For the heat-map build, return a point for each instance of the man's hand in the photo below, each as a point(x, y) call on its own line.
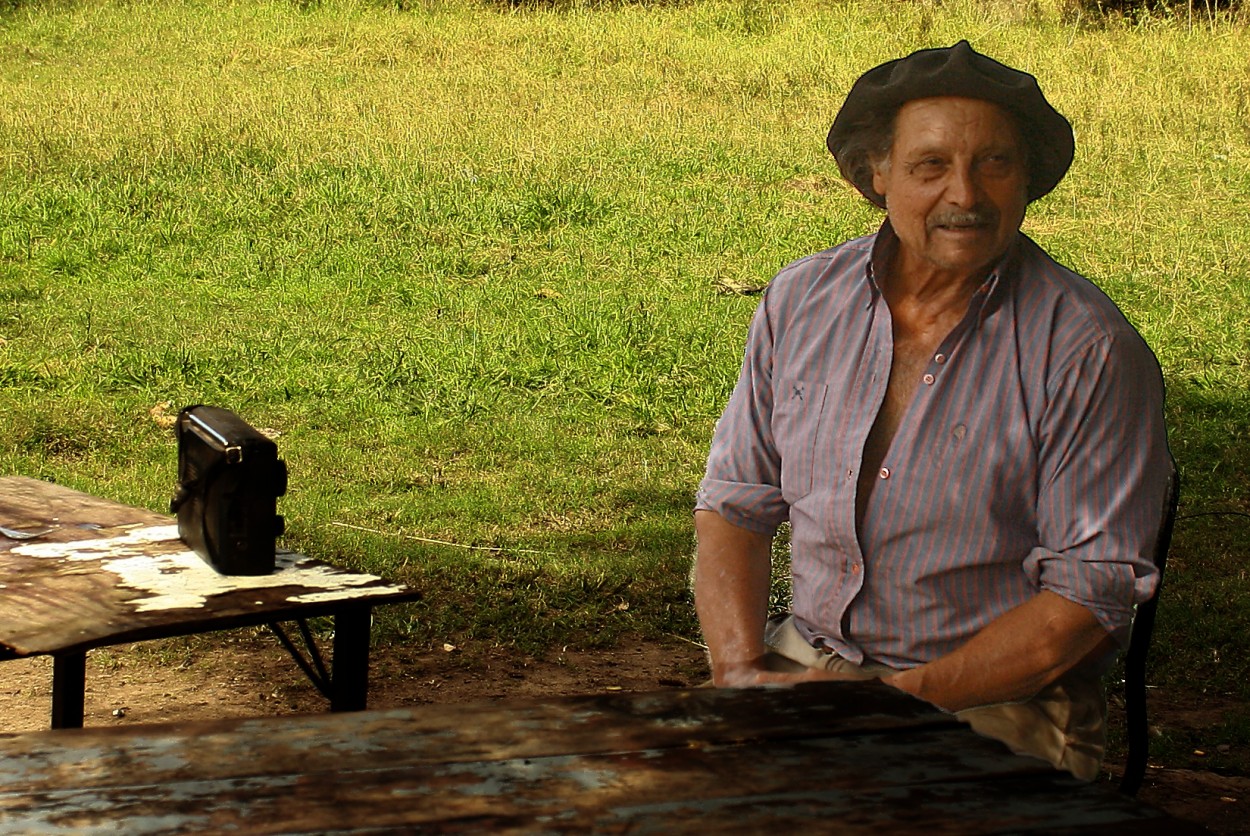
point(757, 673)
point(731, 595)
point(1012, 658)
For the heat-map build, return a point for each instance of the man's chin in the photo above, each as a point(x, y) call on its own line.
point(964, 260)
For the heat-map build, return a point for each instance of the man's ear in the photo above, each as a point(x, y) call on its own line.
point(880, 168)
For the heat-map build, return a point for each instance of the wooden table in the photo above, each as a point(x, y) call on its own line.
point(845, 758)
point(107, 574)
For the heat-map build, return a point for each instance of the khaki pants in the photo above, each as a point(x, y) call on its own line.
point(1064, 724)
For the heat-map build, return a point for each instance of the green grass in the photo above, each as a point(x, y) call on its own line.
point(469, 262)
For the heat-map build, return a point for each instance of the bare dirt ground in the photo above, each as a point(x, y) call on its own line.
point(246, 673)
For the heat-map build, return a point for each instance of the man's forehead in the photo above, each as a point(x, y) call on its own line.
point(955, 117)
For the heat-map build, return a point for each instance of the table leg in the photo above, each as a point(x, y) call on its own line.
point(69, 681)
point(349, 685)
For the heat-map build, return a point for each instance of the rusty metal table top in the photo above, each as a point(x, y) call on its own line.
point(826, 757)
point(107, 573)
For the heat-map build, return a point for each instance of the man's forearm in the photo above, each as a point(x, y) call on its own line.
point(731, 580)
point(1012, 658)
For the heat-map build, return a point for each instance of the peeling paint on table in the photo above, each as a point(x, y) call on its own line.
point(154, 561)
point(108, 573)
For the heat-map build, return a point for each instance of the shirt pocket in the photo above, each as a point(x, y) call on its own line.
point(797, 409)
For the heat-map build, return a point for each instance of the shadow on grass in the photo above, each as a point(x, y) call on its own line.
point(1204, 611)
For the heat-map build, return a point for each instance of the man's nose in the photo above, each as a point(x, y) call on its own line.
point(961, 188)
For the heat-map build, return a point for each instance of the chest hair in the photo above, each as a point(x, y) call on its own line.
point(917, 336)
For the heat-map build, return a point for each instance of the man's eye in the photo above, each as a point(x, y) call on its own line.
point(930, 165)
point(998, 163)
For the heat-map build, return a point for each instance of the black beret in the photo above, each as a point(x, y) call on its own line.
point(959, 71)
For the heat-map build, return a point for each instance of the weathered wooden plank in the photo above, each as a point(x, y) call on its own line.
point(930, 783)
point(245, 748)
point(892, 759)
point(107, 574)
point(828, 757)
point(32, 504)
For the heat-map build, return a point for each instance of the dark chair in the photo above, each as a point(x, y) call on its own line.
point(1139, 647)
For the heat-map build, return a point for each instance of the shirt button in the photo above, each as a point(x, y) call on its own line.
point(928, 379)
point(884, 473)
point(939, 359)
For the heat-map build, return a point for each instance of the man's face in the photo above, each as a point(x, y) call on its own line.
point(955, 184)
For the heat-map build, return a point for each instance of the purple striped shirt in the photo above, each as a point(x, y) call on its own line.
point(1033, 456)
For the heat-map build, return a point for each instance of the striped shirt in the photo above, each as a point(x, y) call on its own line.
point(1033, 455)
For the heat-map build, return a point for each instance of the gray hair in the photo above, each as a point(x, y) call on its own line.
point(867, 145)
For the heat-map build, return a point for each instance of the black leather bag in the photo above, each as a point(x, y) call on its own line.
point(229, 481)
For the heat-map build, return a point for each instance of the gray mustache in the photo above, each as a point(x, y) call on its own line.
point(974, 217)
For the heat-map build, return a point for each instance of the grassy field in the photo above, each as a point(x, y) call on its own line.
point(479, 267)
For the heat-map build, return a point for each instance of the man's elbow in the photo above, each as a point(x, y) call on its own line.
point(1070, 636)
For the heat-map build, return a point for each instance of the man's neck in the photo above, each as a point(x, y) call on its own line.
point(921, 286)
point(913, 283)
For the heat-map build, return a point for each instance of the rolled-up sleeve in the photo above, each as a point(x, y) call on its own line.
point(1104, 472)
point(742, 482)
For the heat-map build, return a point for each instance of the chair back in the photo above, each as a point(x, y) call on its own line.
point(1138, 731)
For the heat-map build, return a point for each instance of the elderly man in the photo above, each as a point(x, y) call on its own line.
point(966, 437)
